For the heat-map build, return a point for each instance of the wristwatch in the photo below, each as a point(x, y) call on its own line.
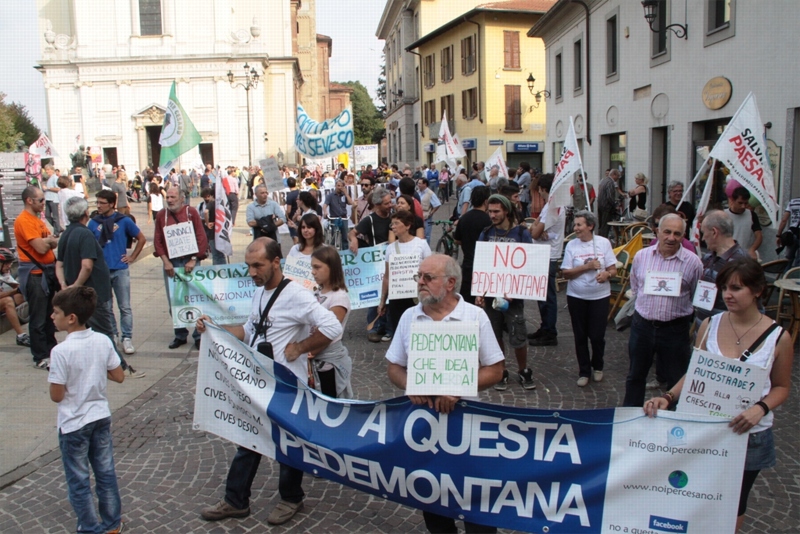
point(193, 258)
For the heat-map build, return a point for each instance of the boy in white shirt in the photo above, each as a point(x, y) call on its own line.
point(79, 368)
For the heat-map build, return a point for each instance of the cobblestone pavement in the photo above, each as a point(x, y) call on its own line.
point(168, 472)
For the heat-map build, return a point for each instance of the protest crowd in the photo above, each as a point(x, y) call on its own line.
point(648, 276)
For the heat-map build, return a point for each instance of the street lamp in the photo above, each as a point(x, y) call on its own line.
point(538, 94)
point(651, 13)
point(251, 77)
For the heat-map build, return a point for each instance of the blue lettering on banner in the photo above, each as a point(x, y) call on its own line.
point(665, 524)
point(318, 139)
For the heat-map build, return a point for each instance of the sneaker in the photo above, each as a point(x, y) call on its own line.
point(43, 364)
point(526, 379)
point(127, 346)
point(223, 510)
point(536, 335)
point(283, 512)
point(130, 372)
point(386, 338)
point(655, 384)
point(583, 381)
point(117, 530)
point(374, 337)
point(24, 340)
point(545, 340)
point(503, 384)
point(597, 376)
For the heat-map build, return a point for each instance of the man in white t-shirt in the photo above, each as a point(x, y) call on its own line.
point(746, 227)
point(548, 229)
point(290, 319)
point(438, 282)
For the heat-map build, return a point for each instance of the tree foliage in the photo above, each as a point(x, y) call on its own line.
point(382, 88)
point(8, 133)
point(367, 121)
point(23, 123)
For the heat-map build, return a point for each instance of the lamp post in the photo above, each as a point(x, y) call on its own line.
point(538, 94)
point(251, 77)
point(655, 9)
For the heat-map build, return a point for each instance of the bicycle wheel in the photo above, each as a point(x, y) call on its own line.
point(446, 246)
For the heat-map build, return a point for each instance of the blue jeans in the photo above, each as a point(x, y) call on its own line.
point(180, 333)
point(341, 223)
point(217, 257)
point(121, 284)
point(91, 445)
point(428, 229)
point(668, 342)
point(242, 472)
point(103, 322)
point(382, 324)
point(548, 308)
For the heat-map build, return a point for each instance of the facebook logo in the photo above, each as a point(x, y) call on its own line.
point(666, 524)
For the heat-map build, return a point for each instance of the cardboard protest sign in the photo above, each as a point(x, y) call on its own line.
point(181, 240)
point(272, 174)
point(298, 268)
point(443, 358)
point(720, 386)
point(402, 268)
point(515, 270)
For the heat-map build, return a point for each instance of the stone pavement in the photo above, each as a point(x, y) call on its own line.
point(168, 472)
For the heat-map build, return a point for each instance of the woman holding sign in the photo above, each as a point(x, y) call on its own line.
point(310, 238)
point(332, 367)
point(406, 244)
point(742, 283)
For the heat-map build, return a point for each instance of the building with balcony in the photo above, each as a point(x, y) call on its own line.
point(645, 100)
point(476, 68)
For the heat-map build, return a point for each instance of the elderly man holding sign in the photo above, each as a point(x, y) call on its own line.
point(180, 241)
point(444, 350)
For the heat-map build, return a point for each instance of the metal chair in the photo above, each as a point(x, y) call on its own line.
point(773, 270)
point(780, 314)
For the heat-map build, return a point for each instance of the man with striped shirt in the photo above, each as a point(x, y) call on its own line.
point(663, 280)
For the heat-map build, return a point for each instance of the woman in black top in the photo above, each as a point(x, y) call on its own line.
point(638, 194)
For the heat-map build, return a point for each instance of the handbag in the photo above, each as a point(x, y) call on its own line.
point(639, 214)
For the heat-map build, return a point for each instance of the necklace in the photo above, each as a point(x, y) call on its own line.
point(738, 337)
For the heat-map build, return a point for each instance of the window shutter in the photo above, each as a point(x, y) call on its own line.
point(507, 49)
point(514, 50)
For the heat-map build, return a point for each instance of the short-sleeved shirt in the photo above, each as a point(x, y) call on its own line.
point(78, 243)
point(255, 210)
point(337, 205)
point(517, 234)
point(26, 228)
point(52, 183)
point(711, 267)
point(489, 352)
point(374, 228)
point(81, 363)
point(333, 299)
point(578, 253)
point(122, 194)
point(415, 246)
point(553, 234)
point(116, 247)
point(745, 225)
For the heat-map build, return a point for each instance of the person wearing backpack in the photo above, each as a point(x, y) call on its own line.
point(115, 233)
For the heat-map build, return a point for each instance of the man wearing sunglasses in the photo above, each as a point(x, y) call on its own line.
point(438, 281)
point(362, 203)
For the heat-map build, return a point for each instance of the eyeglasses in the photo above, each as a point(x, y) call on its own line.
point(428, 278)
point(366, 185)
point(38, 200)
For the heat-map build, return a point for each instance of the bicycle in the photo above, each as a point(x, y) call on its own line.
point(333, 232)
point(447, 243)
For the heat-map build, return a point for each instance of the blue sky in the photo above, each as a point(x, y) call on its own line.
point(351, 24)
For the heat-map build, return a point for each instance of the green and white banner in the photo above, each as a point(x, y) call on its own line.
point(223, 292)
point(178, 134)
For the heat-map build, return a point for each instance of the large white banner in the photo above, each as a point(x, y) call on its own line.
point(497, 159)
point(515, 270)
point(556, 471)
point(568, 165)
point(742, 148)
point(328, 138)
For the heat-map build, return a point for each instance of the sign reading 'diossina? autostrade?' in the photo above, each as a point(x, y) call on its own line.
point(443, 358)
point(223, 292)
point(402, 268)
point(720, 386)
point(555, 471)
point(515, 270)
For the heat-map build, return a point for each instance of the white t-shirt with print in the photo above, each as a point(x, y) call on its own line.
point(578, 253)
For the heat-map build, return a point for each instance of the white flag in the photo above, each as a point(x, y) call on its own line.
point(222, 218)
point(449, 147)
point(497, 159)
point(702, 207)
point(569, 164)
point(43, 147)
point(743, 150)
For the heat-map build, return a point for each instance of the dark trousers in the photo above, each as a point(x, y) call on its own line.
point(51, 214)
point(103, 322)
point(588, 324)
point(668, 342)
point(242, 472)
point(180, 333)
point(605, 217)
point(41, 328)
point(436, 523)
point(396, 310)
point(233, 205)
point(466, 285)
point(548, 308)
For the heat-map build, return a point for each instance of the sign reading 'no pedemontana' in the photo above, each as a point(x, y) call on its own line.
point(514, 270)
point(443, 358)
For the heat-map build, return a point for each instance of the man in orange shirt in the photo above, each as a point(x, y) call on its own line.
point(37, 265)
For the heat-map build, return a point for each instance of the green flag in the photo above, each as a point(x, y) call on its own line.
point(178, 134)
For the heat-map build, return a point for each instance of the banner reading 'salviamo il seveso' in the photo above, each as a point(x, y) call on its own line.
point(565, 471)
point(320, 139)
